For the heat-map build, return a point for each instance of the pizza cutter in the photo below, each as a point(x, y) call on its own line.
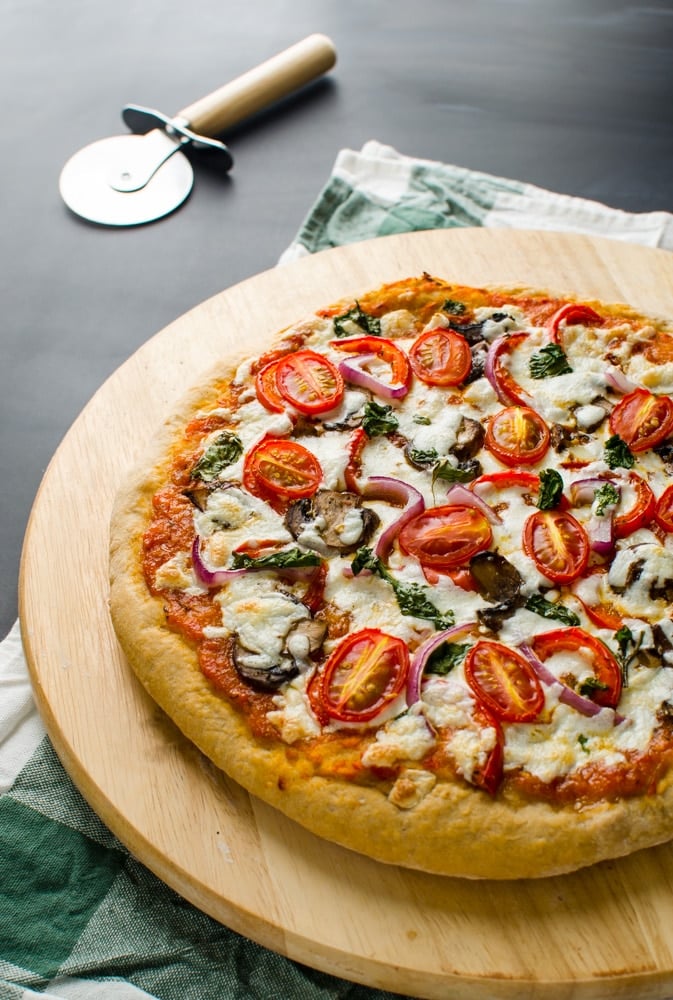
point(131, 179)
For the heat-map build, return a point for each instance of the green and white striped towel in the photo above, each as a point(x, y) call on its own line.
point(80, 918)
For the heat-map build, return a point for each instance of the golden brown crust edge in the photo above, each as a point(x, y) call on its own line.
point(455, 830)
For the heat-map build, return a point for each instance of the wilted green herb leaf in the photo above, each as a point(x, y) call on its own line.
point(590, 685)
point(453, 474)
point(411, 597)
point(549, 361)
point(224, 451)
point(541, 606)
point(551, 489)
point(288, 559)
point(454, 307)
point(370, 324)
point(378, 419)
point(605, 496)
point(617, 453)
point(446, 657)
point(420, 419)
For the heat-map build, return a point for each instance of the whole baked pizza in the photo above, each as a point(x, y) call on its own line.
point(407, 576)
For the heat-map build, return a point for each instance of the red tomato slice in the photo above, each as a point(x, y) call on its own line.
point(576, 640)
point(309, 381)
point(573, 312)
point(365, 673)
point(504, 681)
point(642, 511)
point(386, 350)
point(642, 419)
point(507, 388)
point(517, 435)
point(441, 357)
point(663, 513)
point(266, 388)
point(354, 447)
point(557, 544)
point(445, 538)
point(503, 480)
point(489, 775)
point(602, 615)
point(278, 469)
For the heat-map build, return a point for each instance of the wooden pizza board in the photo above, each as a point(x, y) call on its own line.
point(604, 932)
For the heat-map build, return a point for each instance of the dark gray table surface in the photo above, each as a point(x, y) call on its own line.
point(571, 95)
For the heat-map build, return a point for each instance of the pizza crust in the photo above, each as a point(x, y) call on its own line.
point(444, 828)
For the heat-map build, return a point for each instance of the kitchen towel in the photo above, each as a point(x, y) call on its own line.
point(82, 919)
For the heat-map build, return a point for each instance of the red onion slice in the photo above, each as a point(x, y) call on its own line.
point(354, 369)
point(618, 381)
point(423, 653)
point(513, 395)
point(599, 528)
point(569, 697)
point(461, 495)
point(210, 577)
point(398, 492)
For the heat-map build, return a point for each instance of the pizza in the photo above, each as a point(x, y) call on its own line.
point(407, 577)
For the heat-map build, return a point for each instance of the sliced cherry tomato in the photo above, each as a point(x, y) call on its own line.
point(515, 477)
point(506, 386)
point(365, 673)
point(663, 513)
point(354, 447)
point(504, 681)
point(602, 615)
point(642, 419)
point(309, 381)
point(441, 357)
point(489, 775)
point(557, 544)
point(315, 591)
point(386, 350)
point(517, 435)
point(266, 388)
point(281, 470)
point(576, 640)
point(445, 538)
point(642, 511)
point(572, 312)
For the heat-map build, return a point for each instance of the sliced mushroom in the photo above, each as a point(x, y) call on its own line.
point(469, 439)
point(264, 678)
point(665, 453)
point(496, 578)
point(479, 352)
point(563, 437)
point(331, 521)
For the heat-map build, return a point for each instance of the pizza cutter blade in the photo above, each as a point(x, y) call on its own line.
point(128, 180)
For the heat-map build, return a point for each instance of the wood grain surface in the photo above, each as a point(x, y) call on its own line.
point(604, 932)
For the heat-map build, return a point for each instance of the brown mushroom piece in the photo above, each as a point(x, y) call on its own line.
point(322, 522)
point(302, 641)
point(498, 581)
point(469, 439)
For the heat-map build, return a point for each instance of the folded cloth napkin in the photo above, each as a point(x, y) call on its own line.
point(80, 918)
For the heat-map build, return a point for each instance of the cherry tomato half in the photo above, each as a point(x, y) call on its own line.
point(489, 774)
point(365, 673)
point(642, 419)
point(557, 544)
point(504, 681)
point(640, 513)
point(576, 640)
point(663, 513)
point(506, 386)
point(309, 381)
point(386, 350)
point(517, 435)
point(266, 388)
point(281, 470)
point(572, 312)
point(446, 537)
point(441, 357)
point(527, 481)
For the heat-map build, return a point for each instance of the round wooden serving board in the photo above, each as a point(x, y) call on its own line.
point(605, 932)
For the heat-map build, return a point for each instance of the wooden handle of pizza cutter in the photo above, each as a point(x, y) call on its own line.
point(261, 86)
